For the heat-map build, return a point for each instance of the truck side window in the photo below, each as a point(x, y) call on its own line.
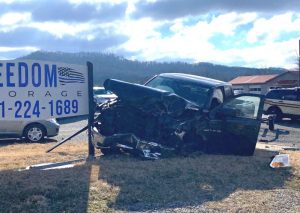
point(243, 106)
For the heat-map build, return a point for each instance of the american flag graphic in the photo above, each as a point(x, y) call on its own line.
point(68, 75)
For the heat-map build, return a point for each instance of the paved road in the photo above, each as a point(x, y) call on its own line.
point(286, 133)
point(67, 129)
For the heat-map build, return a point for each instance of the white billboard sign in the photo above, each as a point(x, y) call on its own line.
point(34, 90)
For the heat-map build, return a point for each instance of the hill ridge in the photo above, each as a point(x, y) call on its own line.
point(108, 65)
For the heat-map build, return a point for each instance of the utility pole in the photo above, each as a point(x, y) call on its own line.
point(299, 63)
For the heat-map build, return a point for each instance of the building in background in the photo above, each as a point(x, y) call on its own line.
point(261, 84)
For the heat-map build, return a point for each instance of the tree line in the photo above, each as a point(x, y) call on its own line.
point(113, 66)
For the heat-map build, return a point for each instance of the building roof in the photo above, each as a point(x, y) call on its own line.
point(252, 79)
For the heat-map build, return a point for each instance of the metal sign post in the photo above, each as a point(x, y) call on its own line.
point(91, 110)
point(299, 64)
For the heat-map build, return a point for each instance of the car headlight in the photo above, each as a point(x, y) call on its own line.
point(53, 120)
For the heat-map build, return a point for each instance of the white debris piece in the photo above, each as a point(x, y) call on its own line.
point(50, 166)
point(281, 160)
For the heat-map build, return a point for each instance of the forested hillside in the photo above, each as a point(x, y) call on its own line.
point(112, 66)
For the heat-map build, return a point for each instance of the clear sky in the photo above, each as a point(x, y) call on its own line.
point(252, 33)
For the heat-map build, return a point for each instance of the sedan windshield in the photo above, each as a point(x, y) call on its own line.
point(190, 91)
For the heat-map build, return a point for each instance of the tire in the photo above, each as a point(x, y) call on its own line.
point(277, 112)
point(34, 133)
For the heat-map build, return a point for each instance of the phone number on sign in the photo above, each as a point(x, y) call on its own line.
point(28, 109)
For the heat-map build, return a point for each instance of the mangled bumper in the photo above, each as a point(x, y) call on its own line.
point(129, 143)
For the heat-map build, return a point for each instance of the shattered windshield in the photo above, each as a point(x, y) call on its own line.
point(191, 91)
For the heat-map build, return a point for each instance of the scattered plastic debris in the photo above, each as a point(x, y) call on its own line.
point(281, 160)
point(51, 166)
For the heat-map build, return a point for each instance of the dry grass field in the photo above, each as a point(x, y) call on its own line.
point(197, 183)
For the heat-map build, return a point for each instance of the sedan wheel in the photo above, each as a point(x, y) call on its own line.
point(34, 133)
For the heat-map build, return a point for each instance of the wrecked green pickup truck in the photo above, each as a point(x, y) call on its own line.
point(177, 113)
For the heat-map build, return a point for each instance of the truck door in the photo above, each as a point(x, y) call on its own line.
point(234, 126)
